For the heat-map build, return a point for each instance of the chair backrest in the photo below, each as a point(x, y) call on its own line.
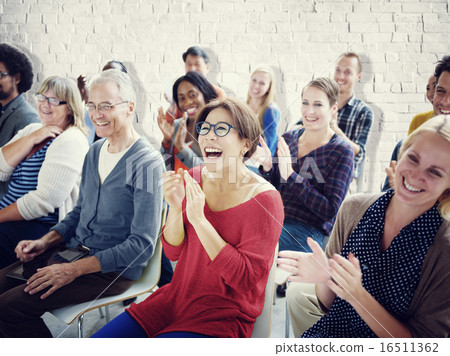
point(146, 283)
point(263, 324)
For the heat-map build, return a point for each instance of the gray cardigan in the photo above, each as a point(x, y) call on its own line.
point(16, 116)
point(118, 221)
point(429, 312)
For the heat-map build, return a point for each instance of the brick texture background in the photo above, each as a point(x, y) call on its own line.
point(399, 41)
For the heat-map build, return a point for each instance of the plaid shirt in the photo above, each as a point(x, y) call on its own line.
point(355, 120)
point(319, 184)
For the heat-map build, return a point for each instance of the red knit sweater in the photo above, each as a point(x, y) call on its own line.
point(223, 297)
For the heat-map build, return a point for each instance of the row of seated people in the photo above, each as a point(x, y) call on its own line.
point(319, 105)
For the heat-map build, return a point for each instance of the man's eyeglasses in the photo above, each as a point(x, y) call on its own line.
point(103, 107)
point(3, 74)
point(221, 129)
point(52, 101)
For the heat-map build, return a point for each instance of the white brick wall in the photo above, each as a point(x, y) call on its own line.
point(400, 41)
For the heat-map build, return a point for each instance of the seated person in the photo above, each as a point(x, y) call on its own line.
point(419, 119)
point(261, 98)
point(441, 106)
point(43, 163)
point(84, 91)
point(385, 272)
point(224, 258)
point(312, 169)
point(179, 148)
point(117, 217)
point(195, 59)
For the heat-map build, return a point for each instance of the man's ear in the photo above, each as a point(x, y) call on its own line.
point(17, 78)
point(131, 107)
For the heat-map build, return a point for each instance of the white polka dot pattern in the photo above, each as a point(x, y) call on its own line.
point(390, 277)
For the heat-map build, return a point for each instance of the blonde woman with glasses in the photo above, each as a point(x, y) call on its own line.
point(43, 163)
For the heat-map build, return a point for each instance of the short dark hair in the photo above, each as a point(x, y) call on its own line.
point(198, 80)
point(245, 120)
point(196, 51)
point(119, 63)
point(442, 66)
point(15, 62)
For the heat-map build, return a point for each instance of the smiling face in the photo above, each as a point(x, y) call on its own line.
point(222, 151)
point(347, 74)
point(259, 85)
point(441, 99)
point(53, 115)
point(430, 88)
point(316, 109)
point(196, 63)
point(190, 99)
point(8, 86)
point(423, 171)
point(113, 124)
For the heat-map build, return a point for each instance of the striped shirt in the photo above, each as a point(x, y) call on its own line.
point(316, 189)
point(25, 179)
point(355, 120)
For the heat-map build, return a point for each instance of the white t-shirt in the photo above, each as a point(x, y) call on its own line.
point(107, 161)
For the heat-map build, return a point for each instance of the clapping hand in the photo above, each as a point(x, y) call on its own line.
point(346, 276)
point(195, 200)
point(263, 155)
point(167, 128)
point(284, 159)
point(305, 267)
point(180, 137)
point(173, 188)
point(390, 172)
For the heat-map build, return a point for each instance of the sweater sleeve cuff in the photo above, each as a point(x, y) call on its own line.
point(171, 252)
point(106, 259)
point(62, 229)
point(5, 169)
point(223, 259)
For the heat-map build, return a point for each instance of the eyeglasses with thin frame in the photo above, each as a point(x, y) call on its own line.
point(52, 101)
point(221, 129)
point(3, 74)
point(103, 107)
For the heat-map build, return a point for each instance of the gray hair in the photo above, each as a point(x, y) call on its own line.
point(121, 79)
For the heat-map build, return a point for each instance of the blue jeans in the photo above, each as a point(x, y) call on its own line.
point(124, 326)
point(294, 233)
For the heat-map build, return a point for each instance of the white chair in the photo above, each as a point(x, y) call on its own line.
point(281, 277)
point(145, 284)
point(263, 324)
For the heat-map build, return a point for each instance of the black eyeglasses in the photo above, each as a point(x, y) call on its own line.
point(51, 101)
point(3, 74)
point(103, 107)
point(221, 129)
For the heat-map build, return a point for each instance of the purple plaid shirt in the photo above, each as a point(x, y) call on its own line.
point(319, 184)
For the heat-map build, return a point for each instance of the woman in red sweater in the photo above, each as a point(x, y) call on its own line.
point(223, 257)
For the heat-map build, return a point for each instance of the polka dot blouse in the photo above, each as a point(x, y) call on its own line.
point(391, 277)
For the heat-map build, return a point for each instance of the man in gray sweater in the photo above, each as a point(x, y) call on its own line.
point(117, 217)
